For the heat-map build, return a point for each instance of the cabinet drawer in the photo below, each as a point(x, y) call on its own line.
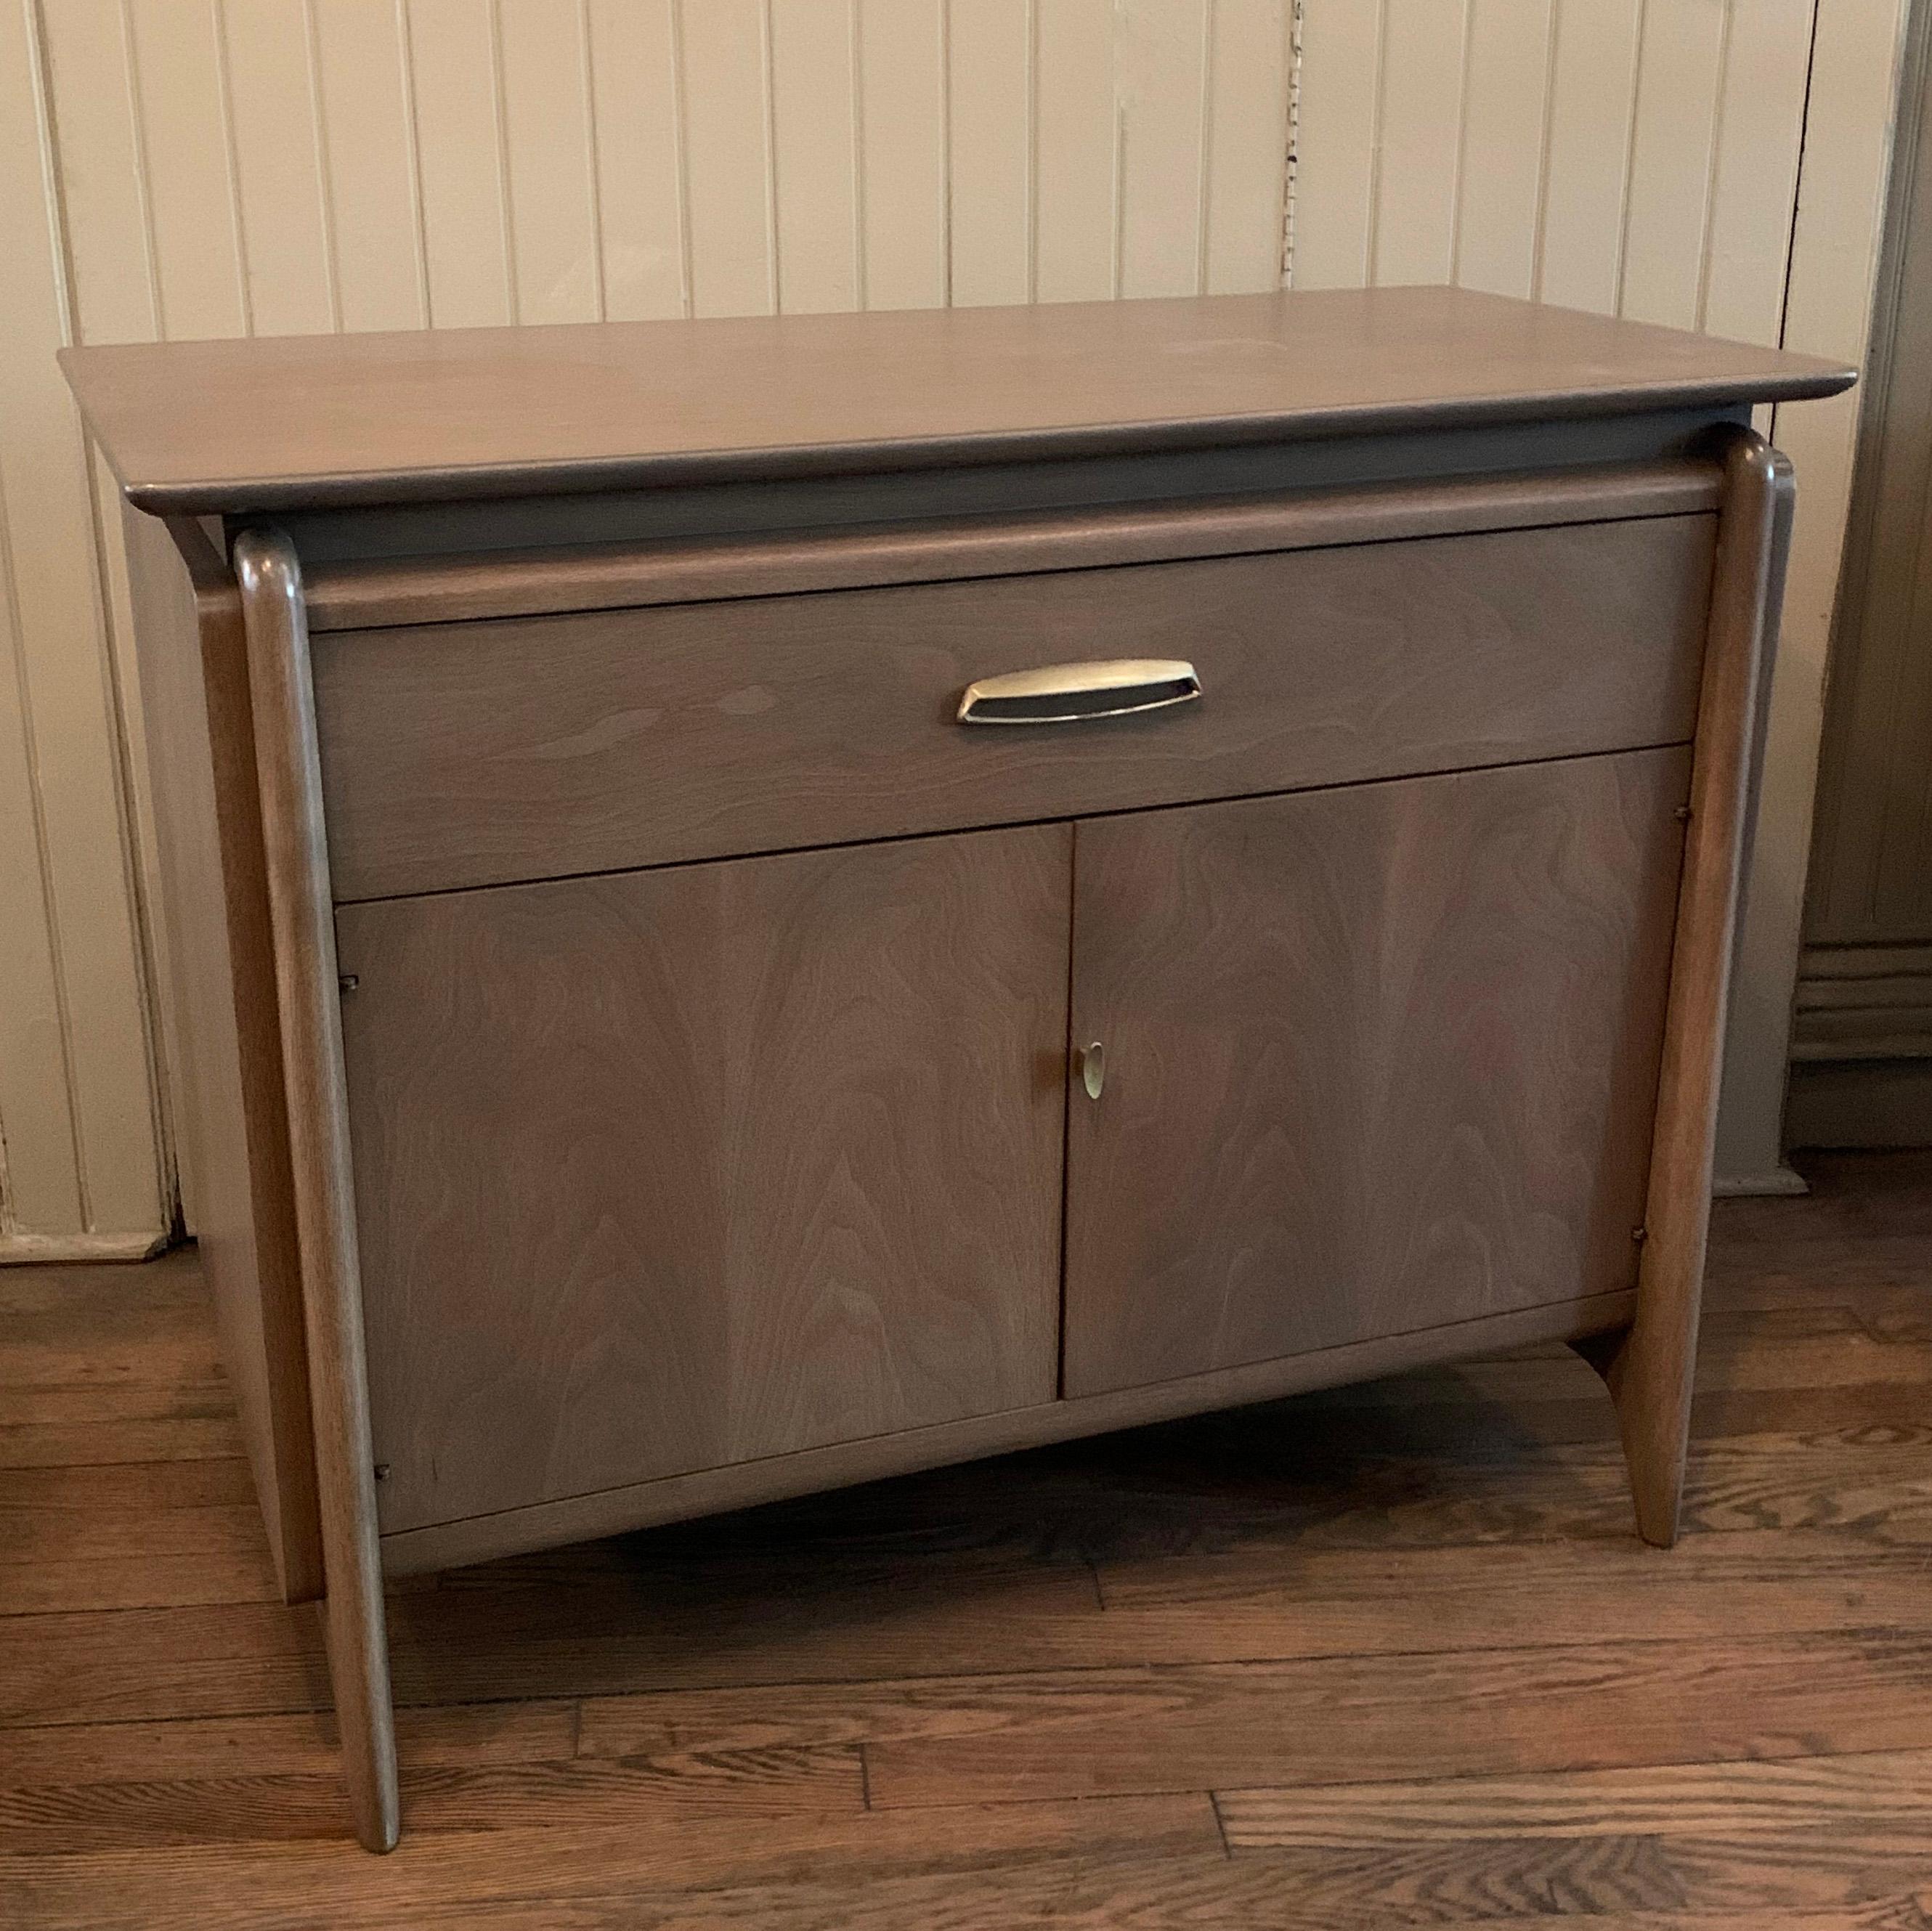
point(484, 752)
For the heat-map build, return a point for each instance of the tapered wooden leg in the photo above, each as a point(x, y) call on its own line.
point(302, 915)
point(1649, 1369)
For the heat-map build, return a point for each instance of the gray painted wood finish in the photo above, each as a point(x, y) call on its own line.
point(295, 841)
point(519, 749)
point(230, 1111)
point(1377, 1059)
point(701, 1176)
point(667, 1171)
point(376, 591)
point(274, 424)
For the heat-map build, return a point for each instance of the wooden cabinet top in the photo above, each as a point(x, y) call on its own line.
point(279, 423)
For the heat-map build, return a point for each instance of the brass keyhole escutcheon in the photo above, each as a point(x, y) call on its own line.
point(1092, 1061)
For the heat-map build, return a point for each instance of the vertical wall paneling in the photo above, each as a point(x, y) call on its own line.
point(1339, 141)
point(371, 197)
point(230, 166)
point(1246, 140)
point(112, 296)
point(639, 157)
point(1505, 124)
point(1076, 171)
point(1164, 77)
point(182, 92)
point(1754, 181)
point(276, 144)
point(902, 116)
point(224, 166)
point(1872, 773)
point(1593, 71)
point(990, 143)
point(1425, 47)
point(1673, 145)
point(727, 131)
point(550, 161)
point(815, 153)
point(110, 251)
point(456, 104)
point(1835, 248)
point(77, 1118)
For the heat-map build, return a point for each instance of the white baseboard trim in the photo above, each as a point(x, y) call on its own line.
point(20, 1250)
point(1781, 1179)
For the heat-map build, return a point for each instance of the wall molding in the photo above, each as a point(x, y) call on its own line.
point(1863, 1002)
point(31, 1249)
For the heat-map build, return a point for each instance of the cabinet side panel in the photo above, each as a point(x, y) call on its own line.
point(232, 1126)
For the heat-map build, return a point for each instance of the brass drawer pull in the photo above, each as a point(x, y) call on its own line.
point(1064, 694)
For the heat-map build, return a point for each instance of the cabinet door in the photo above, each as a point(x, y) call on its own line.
point(1376, 1059)
point(664, 1170)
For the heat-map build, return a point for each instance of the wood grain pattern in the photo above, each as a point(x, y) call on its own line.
point(675, 1498)
point(230, 1113)
point(698, 730)
point(1651, 1373)
point(1889, 1789)
point(294, 846)
point(272, 424)
point(659, 1173)
point(1376, 1059)
point(672, 1719)
point(1133, 1732)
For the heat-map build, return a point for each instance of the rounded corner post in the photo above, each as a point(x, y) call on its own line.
point(1650, 1373)
point(302, 914)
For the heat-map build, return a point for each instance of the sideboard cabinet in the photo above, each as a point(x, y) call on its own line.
point(757, 904)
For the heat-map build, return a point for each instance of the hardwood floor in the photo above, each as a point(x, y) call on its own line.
point(1389, 1656)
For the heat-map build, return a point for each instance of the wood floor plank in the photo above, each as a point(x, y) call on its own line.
point(1126, 1892)
point(1139, 1893)
point(214, 1435)
point(1588, 1705)
point(1403, 1630)
point(463, 1735)
point(605, 1635)
point(64, 1818)
point(201, 1396)
point(1878, 1791)
point(277, 1887)
point(1811, 1273)
point(1272, 1603)
point(1555, 1883)
point(93, 1301)
point(127, 1488)
point(131, 1536)
point(129, 1665)
point(220, 1571)
point(1269, 1475)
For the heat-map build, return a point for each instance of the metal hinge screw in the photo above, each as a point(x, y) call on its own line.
point(348, 982)
point(1683, 815)
point(382, 1471)
point(1639, 1234)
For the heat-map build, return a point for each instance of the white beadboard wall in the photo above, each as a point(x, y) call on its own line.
point(186, 168)
point(1641, 158)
